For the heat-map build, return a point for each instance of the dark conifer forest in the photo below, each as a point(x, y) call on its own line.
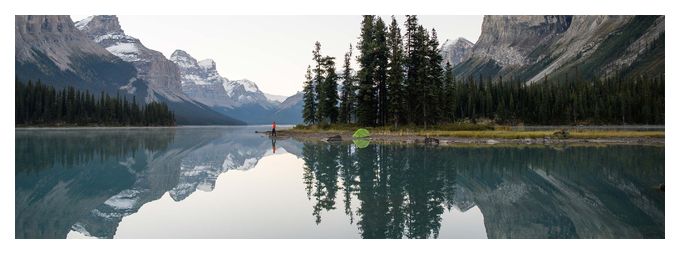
point(37, 104)
point(401, 80)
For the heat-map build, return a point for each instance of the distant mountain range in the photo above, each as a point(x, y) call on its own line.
point(96, 54)
point(241, 99)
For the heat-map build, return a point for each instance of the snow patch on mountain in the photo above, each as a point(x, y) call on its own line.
point(207, 64)
point(82, 24)
point(276, 98)
point(126, 51)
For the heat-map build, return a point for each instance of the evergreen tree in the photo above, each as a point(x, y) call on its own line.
point(348, 97)
point(448, 108)
point(416, 67)
point(366, 96)
point(309, 99)
point(395, 75)
point(381, 54)
point(417, 77)
point(318, 82)
point(435, 97)
point(328, 104)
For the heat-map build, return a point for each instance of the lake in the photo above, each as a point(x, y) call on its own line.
point(229, 182)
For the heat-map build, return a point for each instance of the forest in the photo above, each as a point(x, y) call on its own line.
point(43, 105)
point(402, 80)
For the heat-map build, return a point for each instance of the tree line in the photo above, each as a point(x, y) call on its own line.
point(402, 80)
point(40, 104)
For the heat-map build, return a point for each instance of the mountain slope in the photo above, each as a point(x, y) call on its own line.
point(241, 99)
point(274, 97)
point(162, 75)
point(532, 48)
point(455, 51)
point(51, 49)
point(290, 110)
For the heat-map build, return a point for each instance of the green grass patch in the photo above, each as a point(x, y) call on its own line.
point(468, 130)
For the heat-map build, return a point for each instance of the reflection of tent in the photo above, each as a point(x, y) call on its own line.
point(361, 143)
point(361, 133)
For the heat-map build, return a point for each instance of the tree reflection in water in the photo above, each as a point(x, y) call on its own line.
point(527, 192)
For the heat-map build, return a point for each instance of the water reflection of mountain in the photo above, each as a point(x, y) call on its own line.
point(577, 192)
point(89, 180)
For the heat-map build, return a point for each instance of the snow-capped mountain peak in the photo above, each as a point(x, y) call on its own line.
point(183, 59)
point(276, 98)
point(202, 82)
point(250, 86)
point(207, 64)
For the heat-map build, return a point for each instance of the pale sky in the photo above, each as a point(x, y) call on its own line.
point(272, 51)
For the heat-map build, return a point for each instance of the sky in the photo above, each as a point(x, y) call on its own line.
point(272, 51)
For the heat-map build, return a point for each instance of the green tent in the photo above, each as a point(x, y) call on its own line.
point(361, 133)
point(361, 143)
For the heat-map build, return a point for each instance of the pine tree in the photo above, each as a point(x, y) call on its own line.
point(416, 49)
point(449, 102)
point(366, 95)
point(395, 75)
point(348, 97)
point(328, 104)
point(309, 99)
point(416, 72)
point(319, 83)
point(381, 54)
point(434, 86)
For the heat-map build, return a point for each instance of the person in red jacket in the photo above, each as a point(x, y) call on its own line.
point(273, 129)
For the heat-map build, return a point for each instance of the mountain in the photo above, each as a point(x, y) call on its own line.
point(277, 98)
point(455, 51)
point(290, 110)
point(201, 82)
point(241, 99)
point(531, 48)
point(51, 49)
point(161, 75)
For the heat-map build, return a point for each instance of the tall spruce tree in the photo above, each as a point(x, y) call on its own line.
point(416, 73)
point(381, 54)
point(348, 97)
point(449, 94)
point(434, 86)
point(366, 95)
point(416, 69)
point(395, 75)
point(309, 99)
point(328, 104)
point(318, 81)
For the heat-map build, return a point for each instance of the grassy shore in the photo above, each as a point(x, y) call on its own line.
point(467, 130)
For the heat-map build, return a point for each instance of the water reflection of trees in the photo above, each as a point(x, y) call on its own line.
point(69, 148)
point(404, 190)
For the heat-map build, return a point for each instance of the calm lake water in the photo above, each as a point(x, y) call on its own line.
point(228, 182)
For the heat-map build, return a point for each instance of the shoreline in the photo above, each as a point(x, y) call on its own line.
point(395, 138)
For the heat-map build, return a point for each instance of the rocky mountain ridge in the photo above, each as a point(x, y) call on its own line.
point(532, 48)
point(455, 51)
point(241, 99)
